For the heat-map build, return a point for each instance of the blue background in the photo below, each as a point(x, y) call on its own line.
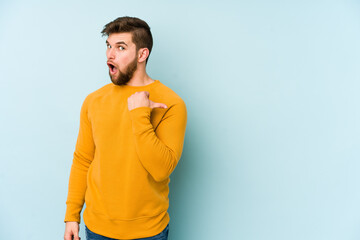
point(272, 91)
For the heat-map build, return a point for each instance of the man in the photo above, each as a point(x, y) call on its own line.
point(130, 140)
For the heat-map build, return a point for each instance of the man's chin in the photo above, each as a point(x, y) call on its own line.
point(118, 81)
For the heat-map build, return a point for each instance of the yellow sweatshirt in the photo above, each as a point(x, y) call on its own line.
point(123, 159)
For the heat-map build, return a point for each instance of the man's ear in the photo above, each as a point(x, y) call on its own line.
point(143, 53)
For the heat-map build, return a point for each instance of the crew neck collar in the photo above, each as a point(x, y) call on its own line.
point(139, 87)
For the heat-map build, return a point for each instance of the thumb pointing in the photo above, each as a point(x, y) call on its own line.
point(157, 105)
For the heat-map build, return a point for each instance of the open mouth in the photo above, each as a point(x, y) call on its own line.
point(112, 68)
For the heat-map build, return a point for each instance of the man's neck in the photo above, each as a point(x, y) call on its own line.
point(140, 78)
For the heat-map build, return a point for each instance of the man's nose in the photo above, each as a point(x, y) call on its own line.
point(110, 54)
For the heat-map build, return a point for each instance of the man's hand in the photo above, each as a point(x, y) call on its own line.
point(141, 99)
point(72, 230)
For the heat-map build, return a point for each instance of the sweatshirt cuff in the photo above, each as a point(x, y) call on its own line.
point(72, 214)
point(140, 118)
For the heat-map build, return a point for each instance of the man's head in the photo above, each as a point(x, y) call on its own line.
point(129, 43)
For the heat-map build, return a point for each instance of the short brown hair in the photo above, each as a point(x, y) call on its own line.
point(140, 30)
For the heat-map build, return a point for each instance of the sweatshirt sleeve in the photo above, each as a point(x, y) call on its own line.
point(159, 150)
point(82, 158)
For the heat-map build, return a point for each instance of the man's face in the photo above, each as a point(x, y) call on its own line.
point(121, 57)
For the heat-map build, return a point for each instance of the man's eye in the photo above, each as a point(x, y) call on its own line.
point(121, 48)
point(108, 46)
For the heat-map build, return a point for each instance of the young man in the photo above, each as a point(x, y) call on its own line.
point(130, 140)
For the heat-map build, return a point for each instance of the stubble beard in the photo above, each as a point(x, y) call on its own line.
point(124, 78)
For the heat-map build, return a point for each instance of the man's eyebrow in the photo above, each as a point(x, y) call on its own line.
point(121, 42)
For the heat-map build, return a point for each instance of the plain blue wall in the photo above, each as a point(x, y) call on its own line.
point(272, 146)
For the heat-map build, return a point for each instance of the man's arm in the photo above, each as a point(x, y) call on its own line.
point(159, 150)
point(83, 156)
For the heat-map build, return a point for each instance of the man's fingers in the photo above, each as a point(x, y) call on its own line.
point(72, 235)
point(76, 236)
point(72, 231)
point(68, 236)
